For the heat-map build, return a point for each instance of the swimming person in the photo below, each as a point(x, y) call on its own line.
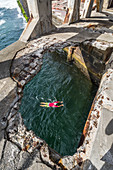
point(54, 104)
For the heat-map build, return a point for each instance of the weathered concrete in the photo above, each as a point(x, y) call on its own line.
point(40, 21)
point(73, 11)
point(87, 8)
point(106, 4)
point(103, 136)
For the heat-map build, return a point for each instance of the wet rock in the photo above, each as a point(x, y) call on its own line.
point(23, 74)
point(16, 106)
point(19, 90)
point(28, 78)
point(40, 62)
point(33, 72)
point(22, 83)
point(17, 71)
point(32, 65)
point(21, 66)
point(36, 61)
point(27, 69)
point(26, 62)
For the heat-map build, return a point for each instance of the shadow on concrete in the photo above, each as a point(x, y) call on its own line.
point(109, 128)
point(98, 19)
point(5, 69)
point(28, 160)
point(5, 106)
point(94, 19)
point(87, 165)
point(108, 157)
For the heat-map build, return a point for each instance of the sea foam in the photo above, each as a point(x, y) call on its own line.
point(9, 4)
point(12, 4)
point(1, 14)
point(2, 22)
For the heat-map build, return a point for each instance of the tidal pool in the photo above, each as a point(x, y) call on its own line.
point(58, 80)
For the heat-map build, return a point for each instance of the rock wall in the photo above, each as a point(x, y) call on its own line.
point(92, 55)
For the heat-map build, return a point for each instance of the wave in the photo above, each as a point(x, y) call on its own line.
point(1, 14)
point(9, 4)
point(2, 22)
point(12, 4)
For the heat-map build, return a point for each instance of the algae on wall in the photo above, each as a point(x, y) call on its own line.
point(22, 10)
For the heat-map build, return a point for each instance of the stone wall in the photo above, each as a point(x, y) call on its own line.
point(90, 59)
point(95, 58)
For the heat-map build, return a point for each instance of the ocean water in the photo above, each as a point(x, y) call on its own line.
point(60, 127)
point(12, 22)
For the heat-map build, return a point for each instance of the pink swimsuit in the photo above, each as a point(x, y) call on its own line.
point(53, 104)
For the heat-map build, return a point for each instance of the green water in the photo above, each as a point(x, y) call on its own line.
point(60, 127)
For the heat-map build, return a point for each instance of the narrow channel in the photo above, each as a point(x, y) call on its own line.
point(58, 80)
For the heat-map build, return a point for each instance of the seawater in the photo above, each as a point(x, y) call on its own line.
point(12, 22)
point(60, 127)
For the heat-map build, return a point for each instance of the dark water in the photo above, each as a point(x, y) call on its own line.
point(60, 127)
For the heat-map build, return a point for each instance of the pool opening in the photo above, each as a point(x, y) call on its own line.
point(58, 80)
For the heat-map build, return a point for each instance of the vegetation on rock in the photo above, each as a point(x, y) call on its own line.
point(22, 10)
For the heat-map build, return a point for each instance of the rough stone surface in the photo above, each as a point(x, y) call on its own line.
point(10, 157)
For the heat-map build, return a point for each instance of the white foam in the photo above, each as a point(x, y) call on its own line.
point(12, 4)
point(24, 21)
point(1, 14)
point(2, 22)
point(9, 4)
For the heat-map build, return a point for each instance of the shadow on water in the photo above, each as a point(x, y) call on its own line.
point(60, 127)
